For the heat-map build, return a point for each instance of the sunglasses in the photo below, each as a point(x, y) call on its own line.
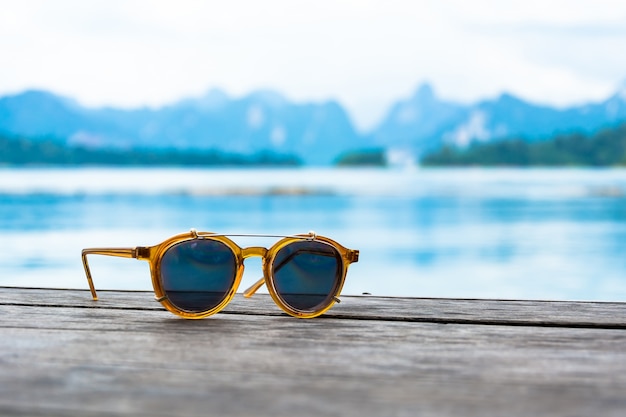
point(196, 274)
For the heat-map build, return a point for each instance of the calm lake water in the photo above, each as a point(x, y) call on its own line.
point(529, 234)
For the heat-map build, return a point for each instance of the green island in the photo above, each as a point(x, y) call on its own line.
point(31, 152)
point(605, 148)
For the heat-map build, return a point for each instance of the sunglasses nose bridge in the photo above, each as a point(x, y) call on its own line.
point(254, 251)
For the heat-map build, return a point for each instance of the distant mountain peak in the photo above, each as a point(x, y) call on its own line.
point(39, 95)
point(215, 94)
point(34, 93)
point(212, 99)
point(270, 97)
point(411, 110)
point(507, 97)
point(38, 98)
point(424, 92)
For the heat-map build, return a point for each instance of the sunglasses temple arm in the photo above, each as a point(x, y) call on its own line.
point(249, 292)
point(118, 252)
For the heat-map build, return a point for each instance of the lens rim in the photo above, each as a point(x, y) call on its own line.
point(268, 267)
point(155, 270)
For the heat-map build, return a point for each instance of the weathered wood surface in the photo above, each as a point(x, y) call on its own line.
point(63, 354)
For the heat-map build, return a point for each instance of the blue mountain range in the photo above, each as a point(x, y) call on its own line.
point(316, 132)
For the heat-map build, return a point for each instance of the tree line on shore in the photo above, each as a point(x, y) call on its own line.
point(24, 151)
point(606, 147)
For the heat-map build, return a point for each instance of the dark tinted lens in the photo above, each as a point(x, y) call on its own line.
point(306, 274)
point(197, 274)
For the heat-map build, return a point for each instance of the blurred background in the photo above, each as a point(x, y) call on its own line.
point(468, 149)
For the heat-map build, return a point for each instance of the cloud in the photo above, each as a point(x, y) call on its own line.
point(365, 53)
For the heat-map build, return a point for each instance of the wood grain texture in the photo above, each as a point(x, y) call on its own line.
point(62, 354)
point(436, 310)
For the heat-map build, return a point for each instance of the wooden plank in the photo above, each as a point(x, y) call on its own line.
point(59, 356)
point(438, 310)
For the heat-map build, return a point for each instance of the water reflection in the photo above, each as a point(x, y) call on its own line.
point(503, 234)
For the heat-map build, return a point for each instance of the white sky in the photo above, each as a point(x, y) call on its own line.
point(364, 53)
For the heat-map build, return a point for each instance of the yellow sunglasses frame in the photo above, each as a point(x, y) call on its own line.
point(154, 254)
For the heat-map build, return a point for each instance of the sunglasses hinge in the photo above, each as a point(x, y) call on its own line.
point(141, 252)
